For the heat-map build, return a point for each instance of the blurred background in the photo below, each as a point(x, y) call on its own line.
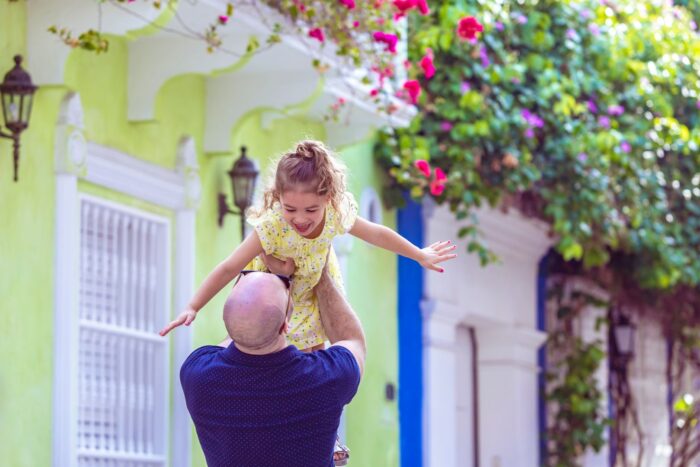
point(555, 141)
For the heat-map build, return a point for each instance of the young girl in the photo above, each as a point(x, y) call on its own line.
point(305, 207)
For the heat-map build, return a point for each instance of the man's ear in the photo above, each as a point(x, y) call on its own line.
point(284, 329)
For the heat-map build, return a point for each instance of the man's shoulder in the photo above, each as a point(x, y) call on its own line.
point(198, 359)
point(339, 366)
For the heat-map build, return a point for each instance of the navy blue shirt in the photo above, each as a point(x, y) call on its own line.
point(280, 409)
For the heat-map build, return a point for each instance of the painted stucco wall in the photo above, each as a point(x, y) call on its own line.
point(27, 248)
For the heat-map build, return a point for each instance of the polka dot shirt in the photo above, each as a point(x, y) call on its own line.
point(281, 409)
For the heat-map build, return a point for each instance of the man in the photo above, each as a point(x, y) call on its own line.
point(257, 402)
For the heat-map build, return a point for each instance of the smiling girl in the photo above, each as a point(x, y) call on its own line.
point(305, 207)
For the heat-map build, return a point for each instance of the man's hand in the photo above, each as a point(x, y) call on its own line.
point(437, 253)
point(186, 318)
point(277, 266)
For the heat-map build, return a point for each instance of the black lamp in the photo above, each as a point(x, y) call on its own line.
point(16, 94)
point(243, 175)
point(623, 332)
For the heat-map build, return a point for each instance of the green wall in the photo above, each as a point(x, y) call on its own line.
point(26, 239)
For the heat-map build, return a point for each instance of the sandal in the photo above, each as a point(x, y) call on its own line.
point(341, 453)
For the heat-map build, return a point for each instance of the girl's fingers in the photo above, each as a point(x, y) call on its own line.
point(189, 320)
point(442, 258)
point(445, 246)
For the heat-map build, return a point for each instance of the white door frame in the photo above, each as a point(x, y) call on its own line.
point(177, 190)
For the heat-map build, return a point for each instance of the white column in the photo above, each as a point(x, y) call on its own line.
point(440, 397)
point(507, 396)
point(647, 378)
point(183, 283)
point(69, 158)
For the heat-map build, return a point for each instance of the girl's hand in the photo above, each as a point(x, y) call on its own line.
point(278, 266)
point(437, 253)
point(186, 318)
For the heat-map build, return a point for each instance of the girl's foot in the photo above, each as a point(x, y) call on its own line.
point(341, 453)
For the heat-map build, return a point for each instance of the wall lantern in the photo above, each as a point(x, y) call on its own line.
point(243, 175)
point(16, 94)
point(623, 332)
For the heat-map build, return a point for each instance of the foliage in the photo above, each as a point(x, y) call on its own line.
point(582, 113)
point(577, 422)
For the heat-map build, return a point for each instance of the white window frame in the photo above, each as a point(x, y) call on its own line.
point(164, 423)
point(176, 190)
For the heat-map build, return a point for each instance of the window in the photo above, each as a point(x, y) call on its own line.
point(123, 376)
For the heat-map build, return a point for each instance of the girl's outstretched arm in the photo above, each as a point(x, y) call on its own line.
point(384, 237)
point(217, 280)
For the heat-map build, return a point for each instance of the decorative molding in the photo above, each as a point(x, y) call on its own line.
point(230, 97)
point(126, 174)
point(510, 346)
point(70, 147)
point(47, 55)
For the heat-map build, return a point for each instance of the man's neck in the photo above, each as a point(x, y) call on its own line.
point(279, 344)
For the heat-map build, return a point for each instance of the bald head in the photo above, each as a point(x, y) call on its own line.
point(255, 310)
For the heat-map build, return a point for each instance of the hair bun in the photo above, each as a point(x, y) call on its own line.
point(310, 149)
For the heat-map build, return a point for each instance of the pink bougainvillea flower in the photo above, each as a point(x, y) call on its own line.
point(521, 19)
point(571, 34)
point(529, 133)
point(356, 24)
point(350, 4)
point(499, 26)
point(374, 92)
point(423, 166)
point(423, 7)
point(426, 63)
point(405, 5)
point(595, 30)
point(582, 157)
point(625, 146)
point(697, 104)
point(604, 121)
point(592, 107)
point(532, 119)
point(616, 110)
point(468, 28)
point(413, 89)
point(317, 33)
point(484, 56)
point(465, 87)
point(390, 40)
point(436, 188)
point(223, 19)
point(440, 175)
point(446, 126)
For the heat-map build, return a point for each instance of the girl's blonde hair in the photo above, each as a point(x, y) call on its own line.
point(310, 167)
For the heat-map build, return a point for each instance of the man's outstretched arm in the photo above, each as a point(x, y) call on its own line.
point(342, 325)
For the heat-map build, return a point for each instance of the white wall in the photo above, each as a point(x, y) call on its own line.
point(499, 302)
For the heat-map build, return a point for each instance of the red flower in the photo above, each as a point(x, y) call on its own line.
point(374, 92)
point(436, 188)
point(426, 63)
point(350, 4)
point(413, 89)
point(317, 33)
point(468, 28)
point(223, 19)
point(423, 7)
point(405, 5)
point(440, 176)
point(389, 40)
point(423, 166)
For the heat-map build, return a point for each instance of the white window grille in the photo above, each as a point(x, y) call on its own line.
point(123, 376)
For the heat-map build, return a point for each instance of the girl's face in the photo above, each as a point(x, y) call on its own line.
point(304, 211)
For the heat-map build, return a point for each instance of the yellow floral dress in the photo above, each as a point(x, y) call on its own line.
point(278, 238)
